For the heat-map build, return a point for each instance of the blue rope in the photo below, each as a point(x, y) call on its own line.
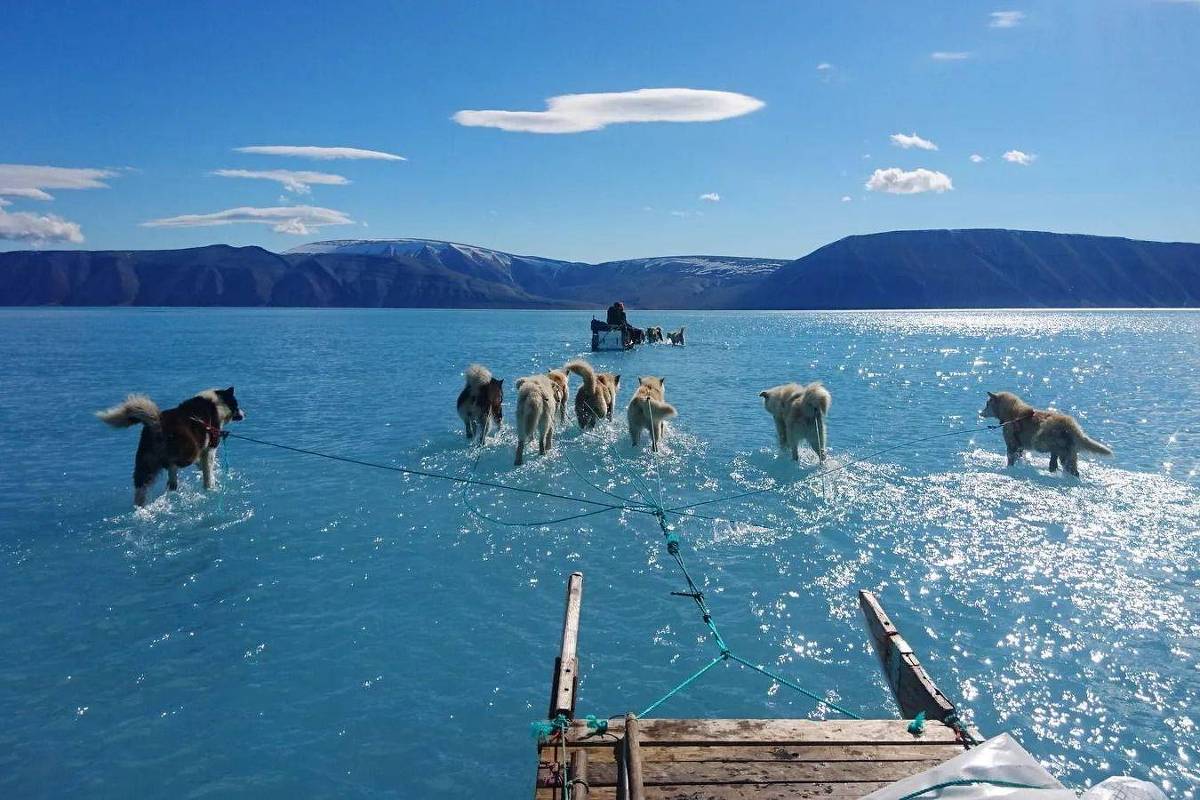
point(687, 682)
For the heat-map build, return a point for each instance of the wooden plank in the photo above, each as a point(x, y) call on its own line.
point(743, 791)
point(698, 772)
point(763, 732)
point(565, 683)
point(717, 753)
point(633, 760)
point(911, 685)
point(579, 775)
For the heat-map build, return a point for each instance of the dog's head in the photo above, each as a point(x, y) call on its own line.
point(227, 406)
point(999, 405)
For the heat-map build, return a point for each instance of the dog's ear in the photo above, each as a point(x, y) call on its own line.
point(617, 378)
point(662, 381)
point(499, 381)
point(992, 395)
point(763, 394)
point(229, 390)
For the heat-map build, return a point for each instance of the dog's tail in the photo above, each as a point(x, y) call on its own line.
point(660, 410)
point(1084, 442)
point(137, 408)
point(584, 370)
point(817, 399)
point(477, 375)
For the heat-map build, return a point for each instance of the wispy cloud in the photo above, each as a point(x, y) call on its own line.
point(950, 55)
point(22, 226)
point(845, 198)
point(575, 113)
point(824, 66)
point(294, 181)
point(31, 181)
point(298, 220)
point(1005, 19)
point(911, 140)
point(711, 197)
point(897, 181)
point(1017, 157)
point(319, 153)
point(976, 158)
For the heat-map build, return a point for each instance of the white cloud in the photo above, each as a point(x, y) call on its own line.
point(319, 153)
point(1005, 19)
point(298, 220)
point(37, 228)
point(29, 180)
point(4, 202)
point(845, 198)
point(949, 55)
point(976, 158)
point(897, 181)
point(575, 113)
point(711, 197)
point(910, 140)
point(824, 66)
point(292, 180)
point(1017, 157)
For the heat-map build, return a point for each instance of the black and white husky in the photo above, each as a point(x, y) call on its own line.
point(175, 438)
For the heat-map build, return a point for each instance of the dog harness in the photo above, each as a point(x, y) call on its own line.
point(212, 434)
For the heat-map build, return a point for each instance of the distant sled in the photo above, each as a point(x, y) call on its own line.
point(609, 337)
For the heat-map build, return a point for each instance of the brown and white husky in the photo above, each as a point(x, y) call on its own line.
point(799, 413)
point(480, 402)
point(175, 438)
point(597, 396)
point(648, 410)
point(1027, 428)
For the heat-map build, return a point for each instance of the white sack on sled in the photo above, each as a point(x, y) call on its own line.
point(1000, 759)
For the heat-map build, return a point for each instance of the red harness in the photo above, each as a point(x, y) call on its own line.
point(212, 434)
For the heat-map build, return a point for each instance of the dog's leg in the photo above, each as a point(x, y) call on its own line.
point(208, 463)
point(173, 479)
point(143, 479)
point(781, 433)
point(1054, 461)
point(484, 424)
point(1071, 462)
point(1014, 453)
point(635, 433)
point(470, 429)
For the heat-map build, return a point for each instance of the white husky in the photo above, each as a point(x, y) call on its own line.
point(537, 406)
point(799, 413)
point(647, 411)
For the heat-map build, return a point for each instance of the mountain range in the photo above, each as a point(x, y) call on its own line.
point(977, 268)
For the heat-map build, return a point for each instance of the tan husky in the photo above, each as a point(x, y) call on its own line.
point(560, 379)
point(536, 409)
point(648, 410)
point(799, 413)
point(597, 396)
point(1027, 428)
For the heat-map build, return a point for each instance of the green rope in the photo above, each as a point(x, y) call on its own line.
point(972, 782)
point(795, 686)
point(917, 726)
point(683, 685)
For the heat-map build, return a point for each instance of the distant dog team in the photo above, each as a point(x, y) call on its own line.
point(190, 432)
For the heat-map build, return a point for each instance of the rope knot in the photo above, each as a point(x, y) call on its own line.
point(600, 726)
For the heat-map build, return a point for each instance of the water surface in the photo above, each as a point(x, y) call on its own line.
point(321, 629)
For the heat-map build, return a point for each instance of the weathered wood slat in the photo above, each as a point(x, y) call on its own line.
point(744, 791)
point(578, 776)
point(718, 753)
point(734, 772)
point(914, 690)
point(565, 683)
point(633, 760)
point(764, 732)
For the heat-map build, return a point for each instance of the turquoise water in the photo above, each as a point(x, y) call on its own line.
point(320, 629)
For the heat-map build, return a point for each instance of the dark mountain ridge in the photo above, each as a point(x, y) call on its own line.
point(975, 268)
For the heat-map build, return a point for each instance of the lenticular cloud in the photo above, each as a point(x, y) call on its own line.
point(298, 220)
point(897, 181)
point(575, 113)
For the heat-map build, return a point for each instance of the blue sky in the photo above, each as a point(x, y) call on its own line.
point(1099, 98)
